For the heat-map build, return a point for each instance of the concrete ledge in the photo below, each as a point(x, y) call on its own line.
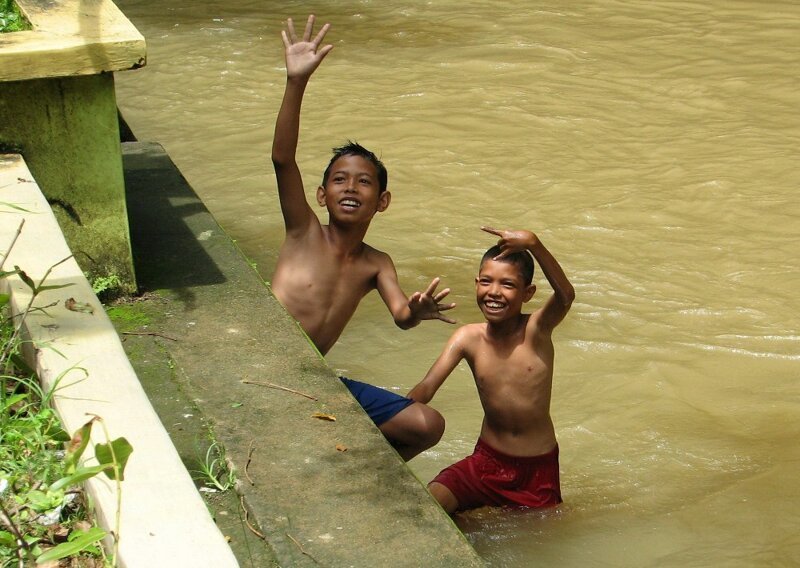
point(164, 521)
point(70, 37)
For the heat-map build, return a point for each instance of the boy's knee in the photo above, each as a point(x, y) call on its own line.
point(434, 425)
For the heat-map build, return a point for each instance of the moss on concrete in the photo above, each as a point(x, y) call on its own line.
point(67, 131)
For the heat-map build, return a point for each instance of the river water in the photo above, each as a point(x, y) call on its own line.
point(653, 146)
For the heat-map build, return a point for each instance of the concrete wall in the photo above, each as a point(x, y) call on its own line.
point(164, 521)
point(58, 109)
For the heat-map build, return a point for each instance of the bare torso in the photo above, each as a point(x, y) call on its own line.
point(320, 286)
point(514, 380)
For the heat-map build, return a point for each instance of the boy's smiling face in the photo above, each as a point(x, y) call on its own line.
point(352, 190)
point(500, 290)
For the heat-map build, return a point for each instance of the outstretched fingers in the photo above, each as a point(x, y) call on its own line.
point(289, 35)
point(309, 27)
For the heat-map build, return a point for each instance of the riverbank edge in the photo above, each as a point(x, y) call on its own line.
point(76, 352)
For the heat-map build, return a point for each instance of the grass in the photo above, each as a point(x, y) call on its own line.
point(37, 515)
point(44, 516)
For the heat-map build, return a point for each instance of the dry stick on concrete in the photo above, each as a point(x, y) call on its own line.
point(247, 520)
point(155, 333)
point(279, 387)
point(249, 459)
point(301, 548)
point(11, 246)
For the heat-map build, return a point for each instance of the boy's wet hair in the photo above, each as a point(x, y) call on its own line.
point(522, 260)
point(356, 149)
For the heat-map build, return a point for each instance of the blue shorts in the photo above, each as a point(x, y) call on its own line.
point(380, 404)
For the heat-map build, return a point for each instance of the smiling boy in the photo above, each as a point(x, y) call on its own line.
point(515, 462)
point(323, 271)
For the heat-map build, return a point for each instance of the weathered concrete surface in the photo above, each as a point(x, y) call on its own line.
point(321, 492)
point(58, 109)
point(70, 37)
point(163, 521)
point(68, 132)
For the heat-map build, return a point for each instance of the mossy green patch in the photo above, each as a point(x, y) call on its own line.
point(127, 317)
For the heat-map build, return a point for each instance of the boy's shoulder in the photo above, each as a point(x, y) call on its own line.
point(468, 333)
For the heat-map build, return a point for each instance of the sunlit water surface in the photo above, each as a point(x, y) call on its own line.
point(653, 146)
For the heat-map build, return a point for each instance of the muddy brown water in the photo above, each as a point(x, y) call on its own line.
point(652, 146)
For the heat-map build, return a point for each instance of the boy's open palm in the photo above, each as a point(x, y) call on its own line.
point(304, 55)
point(426, 305)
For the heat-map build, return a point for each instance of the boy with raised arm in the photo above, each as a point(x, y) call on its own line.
point(323, 271)
point(515, 462)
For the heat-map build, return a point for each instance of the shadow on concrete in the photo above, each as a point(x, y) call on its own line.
point(163, 213)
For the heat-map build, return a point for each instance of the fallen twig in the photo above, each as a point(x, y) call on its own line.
point(301, 548)
point(155, 333)
point(13, 241)
point(247, 520)
point(249, 459)
point(279, 387)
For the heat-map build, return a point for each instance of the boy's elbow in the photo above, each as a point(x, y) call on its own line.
point(278, 160)
point(568, 296)
point(419, 394)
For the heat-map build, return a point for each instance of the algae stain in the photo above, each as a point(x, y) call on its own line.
point(126, 317)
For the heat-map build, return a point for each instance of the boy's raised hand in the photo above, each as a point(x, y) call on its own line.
point(512, 241)
point(425, 305)
point(303, 56)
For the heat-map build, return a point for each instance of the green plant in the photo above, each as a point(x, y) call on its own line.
point(11, 19)
point(214, 471)
point(106, 288)
point(42, 506)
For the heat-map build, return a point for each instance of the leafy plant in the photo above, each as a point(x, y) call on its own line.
point(11, 19)
point(106, 287)
point(42, 506)
point(214, 471)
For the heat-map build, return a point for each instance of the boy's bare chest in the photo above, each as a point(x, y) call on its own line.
point(511, 367)
point(328, 274)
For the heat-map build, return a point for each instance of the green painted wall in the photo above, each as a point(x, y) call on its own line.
point(67, 130)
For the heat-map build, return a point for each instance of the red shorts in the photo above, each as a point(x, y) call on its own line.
point(489, 477)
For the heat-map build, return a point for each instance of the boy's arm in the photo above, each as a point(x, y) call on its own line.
point(408, 311)
point(302, 59)
point(452, 354)
point(559, 303)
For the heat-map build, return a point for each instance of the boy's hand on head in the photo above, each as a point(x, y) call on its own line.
point(304, 55)
point(512, 241)
point(425, 305)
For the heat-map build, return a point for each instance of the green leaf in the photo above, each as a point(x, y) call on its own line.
point(73, 546)
point(40, 501)
point(4, 298)
point(122, 451)
point(25, 278)
point(77, 445)
point(17, 207)
point(12, 400)
point(7, 539)
point(53, 287)
point(80, 475)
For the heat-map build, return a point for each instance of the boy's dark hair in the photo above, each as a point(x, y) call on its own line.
point(522, 260)
point(356, 149)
